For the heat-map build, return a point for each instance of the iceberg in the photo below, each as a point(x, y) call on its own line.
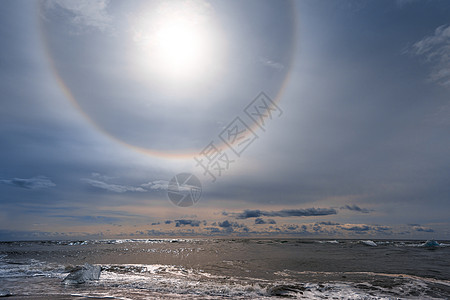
point(430, 243)
point(82, 274)
point(369, 243)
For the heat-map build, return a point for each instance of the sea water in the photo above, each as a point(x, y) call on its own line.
point(229, 269)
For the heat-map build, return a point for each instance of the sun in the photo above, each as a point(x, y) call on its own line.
point(180, 45)
point(177, 43)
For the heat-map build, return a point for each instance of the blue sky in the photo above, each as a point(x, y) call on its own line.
point(103, 102)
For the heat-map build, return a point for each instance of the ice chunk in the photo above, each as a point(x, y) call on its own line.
point(5, 293)
point(83, 274)
point(285, 290)
point(369, 243)
point(430, 243)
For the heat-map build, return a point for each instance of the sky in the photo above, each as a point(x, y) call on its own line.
point(306, 119)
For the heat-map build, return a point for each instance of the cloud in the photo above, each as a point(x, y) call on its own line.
point(183, 222)
point(424, 229)
point(357, 228)
point(228, 224)
point(292, 227)
point(225, 223)
point(382, 228)
point(84, 13)
point(436, 51)
point(356, 208)
point(259, 221)
point(249, 214)
point(101, 177)
point(328, 223)
point(363, 228)
point(272, 64)
point(262, 221)
point(156, 185)
point(34, 183)
point(213, 230)
point(116, 188)
point(285, 213)
point(420, 228)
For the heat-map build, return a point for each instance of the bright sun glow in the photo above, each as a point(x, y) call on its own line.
point(180, 45)
point(177, 44)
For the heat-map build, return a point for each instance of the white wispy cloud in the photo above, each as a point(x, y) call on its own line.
point(101, 177)
point(38, 182)
point(84, 13)
point(436, 51)
point(156, 185)
point(272, 64)
point(102, 181)
point(116, 188)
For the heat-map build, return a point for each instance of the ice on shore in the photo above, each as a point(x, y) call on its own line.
point(5, 293)
point(82, 274)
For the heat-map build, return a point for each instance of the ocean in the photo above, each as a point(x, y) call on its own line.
point(228, 268)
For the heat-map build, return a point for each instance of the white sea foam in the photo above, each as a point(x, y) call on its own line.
point(176, 282)
point(328, 242)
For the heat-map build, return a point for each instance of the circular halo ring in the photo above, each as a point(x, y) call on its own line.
point(188, 153)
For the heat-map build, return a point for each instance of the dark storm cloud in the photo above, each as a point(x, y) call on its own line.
point(225, 223)
point(262, 221)
point(424, 229)
point(355, 207)
point(259, 221)
point(228, 224)
point(308, 212)
point(183, 222)
point(328, 223)
point(227, 228)
point(39, 182)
